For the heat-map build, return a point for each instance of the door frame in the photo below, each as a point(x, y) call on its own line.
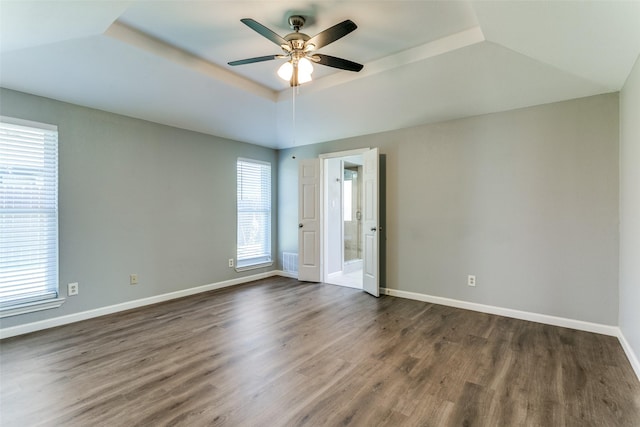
point(324, 255)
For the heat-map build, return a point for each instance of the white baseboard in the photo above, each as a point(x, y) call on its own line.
point(631, 355)
point(516, 314)
point(84, 315)
point(525, 315)
point(508, 312)
point(287, 274)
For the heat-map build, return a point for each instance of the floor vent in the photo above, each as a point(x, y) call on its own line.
point(290, 262)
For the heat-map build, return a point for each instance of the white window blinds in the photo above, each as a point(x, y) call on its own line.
point(28, 213)
point(254, 213)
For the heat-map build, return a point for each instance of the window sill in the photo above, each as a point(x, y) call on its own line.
point(247, 267)
point(30, 307)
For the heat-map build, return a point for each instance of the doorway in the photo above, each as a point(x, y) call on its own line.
point(315, 206)
point(343, 220)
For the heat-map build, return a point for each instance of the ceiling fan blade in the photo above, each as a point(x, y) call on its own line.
point(252, 60)
point(332, 34)
point(264, 31)
point(332, 61)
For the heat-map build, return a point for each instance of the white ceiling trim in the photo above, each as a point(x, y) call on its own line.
point(164, 62)
point(419, 53)
point(150, 44)
point(140, 40)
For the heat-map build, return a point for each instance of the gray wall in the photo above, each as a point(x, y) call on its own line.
point(138, 197)
point(527, 200)
point(630, 209)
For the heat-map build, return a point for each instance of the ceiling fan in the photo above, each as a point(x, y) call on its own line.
point(300, 49)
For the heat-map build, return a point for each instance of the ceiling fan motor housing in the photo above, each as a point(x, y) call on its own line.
point(297, 40)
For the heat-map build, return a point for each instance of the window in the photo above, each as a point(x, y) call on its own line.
point(254, 214)
point(28, 217)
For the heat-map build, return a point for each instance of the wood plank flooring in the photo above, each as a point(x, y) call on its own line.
point(282, 353)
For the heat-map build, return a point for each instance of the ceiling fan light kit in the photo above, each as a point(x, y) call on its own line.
point(302, 68)
point(300, 49)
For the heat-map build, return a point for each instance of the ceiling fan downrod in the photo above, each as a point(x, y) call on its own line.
point(296, 22)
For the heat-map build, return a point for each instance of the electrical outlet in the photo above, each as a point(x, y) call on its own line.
point(72, 289)
point(133, 279)
point(230, 262)
point(471, 280)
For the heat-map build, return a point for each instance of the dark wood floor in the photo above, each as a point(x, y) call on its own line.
point(277, 352)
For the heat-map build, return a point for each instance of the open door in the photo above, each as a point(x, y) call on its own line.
point(309, 220)
point(371, 228)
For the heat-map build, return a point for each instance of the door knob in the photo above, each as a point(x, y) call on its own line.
point(373, 229)
point(300, 225)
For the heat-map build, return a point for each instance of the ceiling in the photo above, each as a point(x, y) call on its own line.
point(424, 61)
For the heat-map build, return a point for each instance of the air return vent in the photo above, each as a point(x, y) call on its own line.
point(290, 262)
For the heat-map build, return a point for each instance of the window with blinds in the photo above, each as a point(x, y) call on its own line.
point(254, 213)
point(28, 216)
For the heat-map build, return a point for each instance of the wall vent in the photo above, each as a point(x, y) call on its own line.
point(290, 262)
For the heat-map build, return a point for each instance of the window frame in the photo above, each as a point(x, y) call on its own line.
point(49, 297)
point(265, 257)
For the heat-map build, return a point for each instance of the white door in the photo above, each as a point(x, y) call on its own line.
point(309, 220)
point(371, 229)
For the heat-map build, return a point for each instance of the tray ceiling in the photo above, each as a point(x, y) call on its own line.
point(424, 61)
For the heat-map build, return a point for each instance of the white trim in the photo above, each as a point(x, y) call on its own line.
point(508, 312)
point(287, 274)
point(31, 307)
point(247, 267)
point(28, 123)
point(346, 153)
point(516, 314)
point(89, 314)
point(564, 322)
point(425, 51)
point(324, 249)
point(631, 355)
point(248, 160)
point(265, 259)
point(146, 42)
